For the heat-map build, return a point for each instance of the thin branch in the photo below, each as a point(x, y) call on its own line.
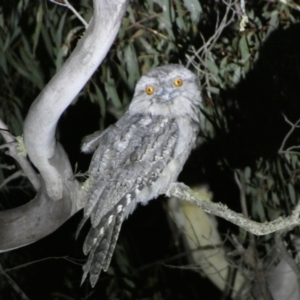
point(13, 284)
point(12, 147)
point(73, 10)
point(250, 254)
point(74, 261)
point(207, 46)
point(290, 149)
point(251, 258)
point(181, 191)
point(293, 127)
point(146, 19)
point(6, 166)
point(11, 177)
point(202, 54)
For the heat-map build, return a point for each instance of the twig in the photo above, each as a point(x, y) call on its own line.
point(13, 284)
point(293, 127)
point(7, 167)
point(202, 54)
point(207, 46)
point(66, 3)
point(11, 177)
point(147, 18)
point(250, 254)
point(23, 161)
point(251, 258)
point(74, 261)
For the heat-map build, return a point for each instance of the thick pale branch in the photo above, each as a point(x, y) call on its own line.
point(41, 121)
point(179, 190)
point(31, 222)
point(42, 215)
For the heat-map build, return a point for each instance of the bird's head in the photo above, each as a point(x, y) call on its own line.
point(170, 90)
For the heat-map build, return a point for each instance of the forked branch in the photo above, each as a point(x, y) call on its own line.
point(59, 195)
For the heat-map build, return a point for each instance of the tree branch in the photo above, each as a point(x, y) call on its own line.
point(73, 10)
point(180, 190)
point(41, 216)
point(41, 121)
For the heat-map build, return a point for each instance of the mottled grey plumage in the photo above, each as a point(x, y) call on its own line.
point(138, 158)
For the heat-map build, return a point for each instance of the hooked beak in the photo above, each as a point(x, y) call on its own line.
point(166, 94)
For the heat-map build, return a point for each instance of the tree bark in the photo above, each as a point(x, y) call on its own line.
point(58, 195)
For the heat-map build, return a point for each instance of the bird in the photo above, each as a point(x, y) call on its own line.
point(138, 158)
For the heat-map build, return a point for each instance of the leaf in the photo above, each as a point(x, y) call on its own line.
point(110, 88)
point(211, 66)
point(131, 65)
point(258, 208)
point(195, 9)
point(168, 16)
point(247, 175)
point(47, 41)
point(237, 75)
point(39, 19)
point(294, 161)
point(223, 63)
point(101, 101)
point(213, 90)
point(129, 282)
point(273, 23)
point(244, 49)
point(275, 199)
point(292, 193)
point(242, 235)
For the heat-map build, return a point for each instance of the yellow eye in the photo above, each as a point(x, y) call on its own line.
point(149, 90)
point(178, 82)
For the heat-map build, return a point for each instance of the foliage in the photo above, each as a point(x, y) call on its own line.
point(245, 76)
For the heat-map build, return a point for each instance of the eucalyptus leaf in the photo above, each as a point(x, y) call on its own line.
point(39, 24)
point(212, 67)
point(247, 175)
point(195, 9)
point(110, 88)
point(292, 194)
point(132, 66)
point(101, 101)
point(258, 208)
point(244, 49)
point(213, 90)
